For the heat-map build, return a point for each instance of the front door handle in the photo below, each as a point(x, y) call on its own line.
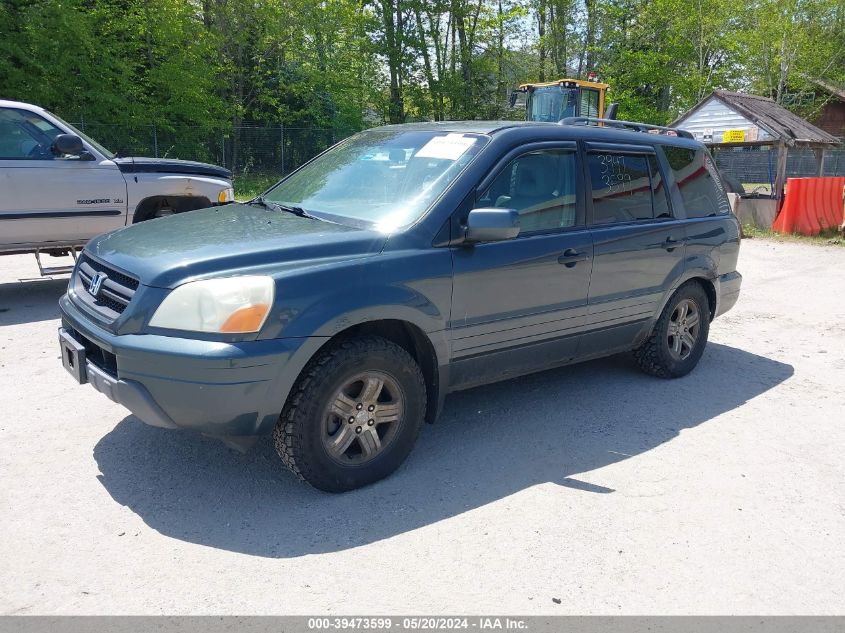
point(670, 244)
point(571, 257)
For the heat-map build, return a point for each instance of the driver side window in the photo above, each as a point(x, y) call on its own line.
point(540, 186)
point(25, 136)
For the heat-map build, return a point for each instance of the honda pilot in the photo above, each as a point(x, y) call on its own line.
point(338, 309)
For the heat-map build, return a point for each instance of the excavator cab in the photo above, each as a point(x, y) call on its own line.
point(564, 98)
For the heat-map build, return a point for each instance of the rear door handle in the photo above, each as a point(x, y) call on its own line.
point(571, 257)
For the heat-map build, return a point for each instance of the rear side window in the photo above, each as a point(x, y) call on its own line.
point(622, 187)
point(701, 188)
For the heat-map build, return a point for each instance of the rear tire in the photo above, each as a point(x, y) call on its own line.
point(353, 416)
point(679, 337)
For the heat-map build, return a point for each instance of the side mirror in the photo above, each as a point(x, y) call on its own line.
point(611, 111)
point(492, 225)
point(67, 144)
point(514, 95)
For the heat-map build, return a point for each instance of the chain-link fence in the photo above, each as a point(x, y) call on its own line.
point(277, 149)
point(759, 164)
point(247, 149)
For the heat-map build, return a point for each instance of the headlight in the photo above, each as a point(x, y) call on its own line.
point(227, 195)
point(231, 305)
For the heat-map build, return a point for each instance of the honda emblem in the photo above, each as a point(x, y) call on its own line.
point(97, 283)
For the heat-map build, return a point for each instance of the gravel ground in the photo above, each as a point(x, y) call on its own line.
point(591, 489)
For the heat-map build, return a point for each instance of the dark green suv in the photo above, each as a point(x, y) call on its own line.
point(339, 308)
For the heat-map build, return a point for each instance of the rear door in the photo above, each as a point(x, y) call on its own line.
point(49, 198)
point(519, 305)
point(638, 245)
point(712, 236)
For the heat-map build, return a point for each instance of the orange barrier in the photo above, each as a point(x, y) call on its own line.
point(811, 205)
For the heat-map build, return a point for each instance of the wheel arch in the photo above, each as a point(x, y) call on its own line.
point(414, 340)
point(709, 289)
point(708, 284)
point(179, 203)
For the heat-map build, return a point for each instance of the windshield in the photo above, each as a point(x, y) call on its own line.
point(551, 103)
point(386, 177)
point(105, 152)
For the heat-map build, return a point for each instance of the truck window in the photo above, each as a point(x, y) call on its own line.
point(25, 135)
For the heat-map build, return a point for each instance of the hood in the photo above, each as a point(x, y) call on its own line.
point(169, 251)
point(136, 165)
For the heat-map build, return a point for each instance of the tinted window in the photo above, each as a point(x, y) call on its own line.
point(701, 189)
point(621, 187)
point(541, 186)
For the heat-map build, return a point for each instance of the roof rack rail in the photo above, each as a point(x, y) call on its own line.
point(632, 125)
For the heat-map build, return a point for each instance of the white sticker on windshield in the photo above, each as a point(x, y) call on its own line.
point(451, 147)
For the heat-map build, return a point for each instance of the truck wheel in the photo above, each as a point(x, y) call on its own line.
point(353, 415)
point(164, 209)
point(163, 206)
point(678, 338)
point(151, 209)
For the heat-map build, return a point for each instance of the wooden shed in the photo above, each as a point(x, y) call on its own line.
point(831, 117)
point(733, 120)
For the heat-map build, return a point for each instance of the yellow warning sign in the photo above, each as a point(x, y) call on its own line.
point(733, 136)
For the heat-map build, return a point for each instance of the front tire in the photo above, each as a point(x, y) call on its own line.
point(353, 416)
point(679, 337)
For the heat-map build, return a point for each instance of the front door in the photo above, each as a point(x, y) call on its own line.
point(638, 246)
point(519, 305)
point(48, 198)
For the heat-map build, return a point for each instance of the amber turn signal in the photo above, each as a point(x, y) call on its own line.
point(246, 319)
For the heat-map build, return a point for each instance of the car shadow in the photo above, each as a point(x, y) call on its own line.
point(489, 443)
point(30, 301)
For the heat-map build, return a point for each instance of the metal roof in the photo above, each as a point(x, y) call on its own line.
point(777, 120)
point(834, 89)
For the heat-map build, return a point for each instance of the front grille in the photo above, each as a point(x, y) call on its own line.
point(116, 290)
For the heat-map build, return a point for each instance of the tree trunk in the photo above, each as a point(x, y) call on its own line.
point(429, 74)
point(501, 88)
point(541, 32)
point(589, 39)
point(396, 107)
point(464, 52)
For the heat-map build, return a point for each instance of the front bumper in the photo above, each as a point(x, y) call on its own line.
point(212, 387)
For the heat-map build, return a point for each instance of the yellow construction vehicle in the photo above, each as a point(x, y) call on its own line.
point(556, 100)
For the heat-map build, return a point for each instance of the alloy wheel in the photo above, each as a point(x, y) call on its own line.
point(362, 418)
point(684, 326)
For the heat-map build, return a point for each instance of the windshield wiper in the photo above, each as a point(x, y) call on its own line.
point(260, 201)
point(275, 206)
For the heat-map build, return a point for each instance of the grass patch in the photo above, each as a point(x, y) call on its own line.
point(829, 237)
point(763, 188)
point(248, 186)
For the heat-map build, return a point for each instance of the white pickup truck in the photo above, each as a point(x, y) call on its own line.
point(59, 188)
